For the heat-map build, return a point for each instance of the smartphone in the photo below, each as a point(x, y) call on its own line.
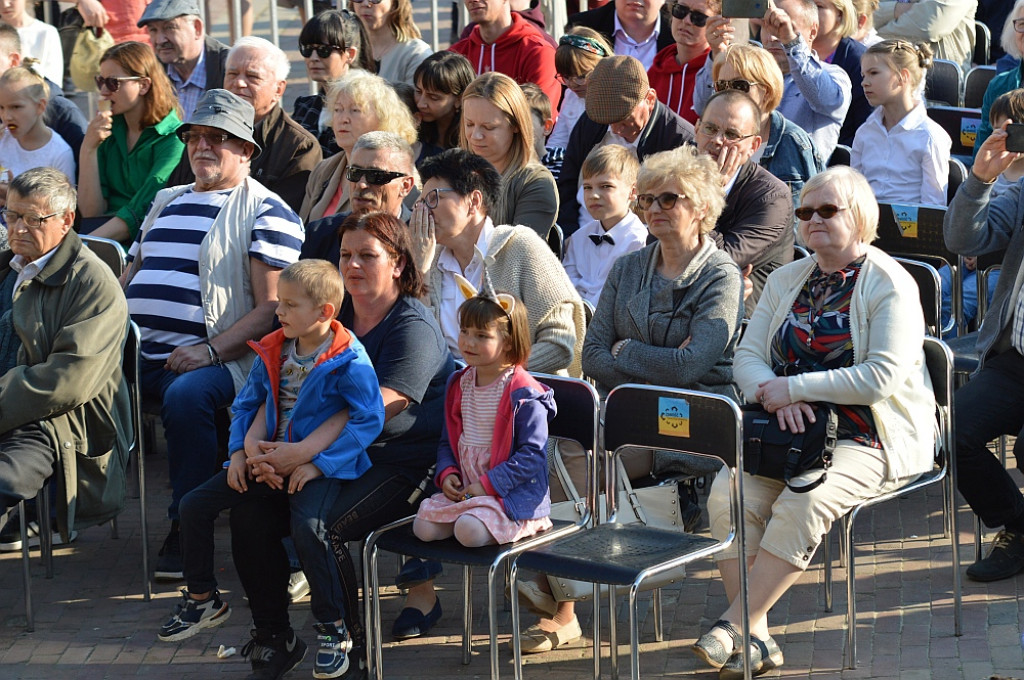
point(744, 9)
point(1015, 137)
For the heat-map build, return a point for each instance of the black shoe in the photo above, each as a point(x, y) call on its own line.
point(1005, 559)
point(10, 537)
point(357, 664)
point(411, 622)
point(272, 655)
point(168, 564)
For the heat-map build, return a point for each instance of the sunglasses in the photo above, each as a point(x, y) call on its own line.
point(666, 201)
point(372, 175)
point(322, 51)
point(698, 19)
point(211, 138)
point(113, 84)
point(739, 84)
point(804, 213)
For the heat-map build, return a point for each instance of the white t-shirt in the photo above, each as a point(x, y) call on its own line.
point(55, 153)
point(41, 41)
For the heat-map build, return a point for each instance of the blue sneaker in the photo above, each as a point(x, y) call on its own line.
point(332, 655)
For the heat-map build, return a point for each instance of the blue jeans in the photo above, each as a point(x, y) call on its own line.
point(188, 404)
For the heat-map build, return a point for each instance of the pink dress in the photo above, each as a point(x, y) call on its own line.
point(479, 408)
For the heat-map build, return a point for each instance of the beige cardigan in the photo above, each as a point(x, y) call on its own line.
point(323, 183)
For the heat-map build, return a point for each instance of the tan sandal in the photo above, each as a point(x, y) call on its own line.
point(533, 640)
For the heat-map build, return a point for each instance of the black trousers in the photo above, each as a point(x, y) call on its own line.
point(27, 458)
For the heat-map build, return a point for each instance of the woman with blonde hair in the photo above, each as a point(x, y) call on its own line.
point(360, 102)
point(496, 125)
point(131, 145)
point(837, 21)
point(394, 37)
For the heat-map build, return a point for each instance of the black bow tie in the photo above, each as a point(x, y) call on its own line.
point(598, 239)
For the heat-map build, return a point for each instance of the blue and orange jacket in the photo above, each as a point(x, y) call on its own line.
point(342, 379)
point(518, 473)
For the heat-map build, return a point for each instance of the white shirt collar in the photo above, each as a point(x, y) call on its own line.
point(29, 270)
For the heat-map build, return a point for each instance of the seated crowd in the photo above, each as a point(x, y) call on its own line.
point(617, 205)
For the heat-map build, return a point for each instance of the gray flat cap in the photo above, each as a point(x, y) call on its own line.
point(162, 10)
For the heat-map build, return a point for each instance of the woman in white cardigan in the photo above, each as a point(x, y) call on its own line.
point(844, 327)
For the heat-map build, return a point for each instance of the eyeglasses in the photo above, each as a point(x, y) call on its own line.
point(805, 212)
point(322, 51)
point(372, 2)
point(372, 175)
point(433, 197)
point(666, 201)
point(731, 136)
point(570, 81)
point(114, 84)
point(31, 221)
point(698, 19)
point(211, 138)
point(1018, 25)
point(738, 84)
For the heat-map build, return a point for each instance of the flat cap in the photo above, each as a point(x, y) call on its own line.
point(162, 10)
point(615, 87)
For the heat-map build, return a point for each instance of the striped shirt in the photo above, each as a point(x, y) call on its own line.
point(164, 296)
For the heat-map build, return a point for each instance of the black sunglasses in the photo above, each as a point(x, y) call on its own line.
point(322, 51)
point(666, 201)
point(113, 84)
point(738, 84)
point(372, 175)
point(804, 213)
point(698, 19)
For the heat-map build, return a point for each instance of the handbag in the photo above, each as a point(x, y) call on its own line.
point(769, 451)
point(653, 506)
point(90, 45)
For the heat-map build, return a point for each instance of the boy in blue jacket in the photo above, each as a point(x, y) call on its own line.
point(312, 392)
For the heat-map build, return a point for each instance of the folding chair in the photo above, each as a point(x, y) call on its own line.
point(956, 176)
point(976, 83)
point(939, 361)
point(108, 250)
point(929, 287)
point(944, 83)
point(556, 241)
point(629, 555)
point(982, 44)
point(576, 419)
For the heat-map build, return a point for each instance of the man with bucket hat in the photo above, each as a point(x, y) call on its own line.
point(201, 282)
point(623, 109)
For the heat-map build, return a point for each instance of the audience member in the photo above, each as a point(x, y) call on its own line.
point(577, 54)
point(330, 43)
point(634, 28)
point(902, 152)
point(507, 43)
point(361, 102)
point(497, 126)
point(529, 10)
point(131, 146)
point(65, 405)
point(118, 17)
point(379, 178)
point(623, 109)
point(39, 40)
point(196, 320)
point(541, 116)
point(674, 71)
point(257, 71)
point(1008, 106)
point(947, 25)
point(755, 226)
point(609, 189)
point(1012, 41)
point(837, 22)
point(866, 34)
point(993, 14)
point(394, 38)
point(195, 61)
point(992, 402)
point(439, 81)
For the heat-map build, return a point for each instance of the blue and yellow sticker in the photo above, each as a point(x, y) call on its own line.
point(673, 417)
point(906, 218)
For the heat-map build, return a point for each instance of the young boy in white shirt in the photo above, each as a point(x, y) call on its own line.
point(609, 188)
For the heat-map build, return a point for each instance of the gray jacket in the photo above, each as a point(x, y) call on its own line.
point(976, 225)
point(705, 304)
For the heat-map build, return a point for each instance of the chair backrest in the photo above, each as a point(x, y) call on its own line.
point(944, 83)
point(982, 44)
point(929, 287)
point(975, 85)
point(578, 408)
point(841, 156)
point(957, 176)
point(913, 230)
point(962, 127)
point(799, 252)
point(108, 250)
point(588, 313)
point(939, 360)
point(556, 241)
point(131, 368)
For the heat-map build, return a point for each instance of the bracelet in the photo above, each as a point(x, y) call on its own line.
point(214, 356)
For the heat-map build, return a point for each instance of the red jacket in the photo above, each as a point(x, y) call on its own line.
point(521, 53)
point(674, 82)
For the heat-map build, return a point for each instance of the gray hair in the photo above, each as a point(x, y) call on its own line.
point(47, 182)
point(381, 140)
point(1007, 39)
point(276, 59)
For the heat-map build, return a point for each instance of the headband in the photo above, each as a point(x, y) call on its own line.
point(581, 42)
point(504, 301)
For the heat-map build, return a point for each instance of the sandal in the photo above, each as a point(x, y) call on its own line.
point(709, 648)
point(765, 655)
point(533, 640)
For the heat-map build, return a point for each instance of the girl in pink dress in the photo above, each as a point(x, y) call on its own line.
point(491, 463)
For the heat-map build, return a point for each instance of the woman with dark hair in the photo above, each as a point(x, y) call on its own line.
point(394, 37)
point(439, 82)
point(131, 144)
point(330, 43)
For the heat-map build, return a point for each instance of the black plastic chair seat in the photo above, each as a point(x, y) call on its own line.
point(611, 553)
point(401, 540)
point(965, 353)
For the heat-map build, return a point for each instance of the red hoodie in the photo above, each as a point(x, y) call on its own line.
point(674, 82)
point(521, 53)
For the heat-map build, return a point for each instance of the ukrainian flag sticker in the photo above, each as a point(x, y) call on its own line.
point(673, 417)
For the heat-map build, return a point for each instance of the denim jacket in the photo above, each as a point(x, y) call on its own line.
point(790, 154)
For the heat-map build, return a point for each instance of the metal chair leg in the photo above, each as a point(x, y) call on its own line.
point(45, 535)
point(30, 623)
point(613, 636)
point(634, 634)
point(827, 556)
point(659, 632)
point(467, 614)
point(851, 593)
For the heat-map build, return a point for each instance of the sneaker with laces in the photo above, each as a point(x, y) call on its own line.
point(168, 564)
point(298, 586)
point(190, 616)
point(332, 655)
point(273, 655)
point(1005, 558)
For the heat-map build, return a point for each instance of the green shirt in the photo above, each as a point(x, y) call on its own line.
point(130, 179)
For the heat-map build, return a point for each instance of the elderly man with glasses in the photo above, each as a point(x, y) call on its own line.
point(64, 405)
point(202, 282)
